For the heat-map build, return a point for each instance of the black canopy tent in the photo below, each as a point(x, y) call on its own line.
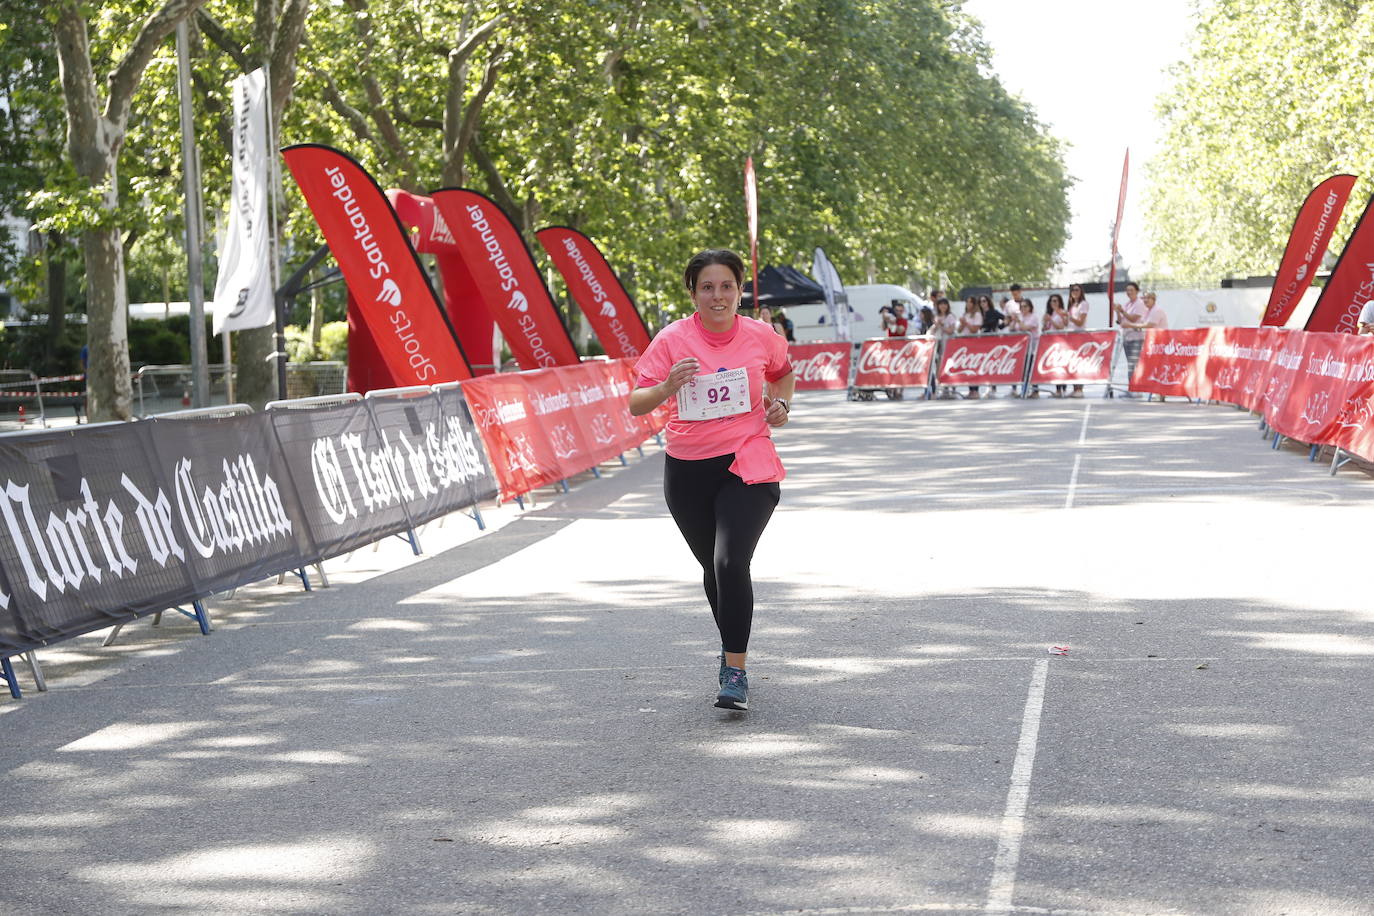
point(781, 287)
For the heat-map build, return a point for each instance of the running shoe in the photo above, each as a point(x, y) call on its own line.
point(734, 693)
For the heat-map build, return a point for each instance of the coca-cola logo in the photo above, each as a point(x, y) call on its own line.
point(1003, 359)
point(825, 366)
point(1084, 360)
point(912, 359)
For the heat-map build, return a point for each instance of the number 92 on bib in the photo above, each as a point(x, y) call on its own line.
point(710, 397)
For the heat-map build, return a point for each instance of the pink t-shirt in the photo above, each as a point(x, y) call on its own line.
point(750, 345)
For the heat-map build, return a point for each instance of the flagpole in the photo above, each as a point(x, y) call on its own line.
point(195, 268)
point(1116, 233)
point(274, 171)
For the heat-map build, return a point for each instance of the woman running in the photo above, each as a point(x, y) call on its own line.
point(726, 379)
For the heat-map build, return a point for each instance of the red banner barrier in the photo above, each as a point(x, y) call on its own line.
point(392, 293)
point(895, 362)
point(543, 426)
point(1074, 357)
point(820, 366)
point(597, 291)
point(997, 359)
point(1172, 363)
point(1254, 377)
point(1353, 425)
point(507, 279)
point(1308, 412)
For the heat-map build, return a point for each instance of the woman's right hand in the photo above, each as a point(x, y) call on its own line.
point(683, 371)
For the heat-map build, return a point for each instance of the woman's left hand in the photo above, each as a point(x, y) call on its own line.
point(774, 411)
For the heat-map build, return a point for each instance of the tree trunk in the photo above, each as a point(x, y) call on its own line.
point(109, 391)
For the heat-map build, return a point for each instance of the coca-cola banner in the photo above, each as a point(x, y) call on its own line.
point(993, 359)
point(895, 362)
point(1079, 357)
point(507, 279)
point(818, 366)
point(1306, 247)
point(1351, 283)
point(597, 291)
point(383, 274)
point(1172, 362)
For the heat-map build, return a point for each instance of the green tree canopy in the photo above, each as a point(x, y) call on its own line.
point(1269, 100)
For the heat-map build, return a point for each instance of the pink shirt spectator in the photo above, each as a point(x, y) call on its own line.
point(1156, 317)
point(750, 345)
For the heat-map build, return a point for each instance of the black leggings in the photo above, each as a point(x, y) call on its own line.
point(722, 519)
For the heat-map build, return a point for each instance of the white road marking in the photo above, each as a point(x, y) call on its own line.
point(1073, 482)
point(1083, 431)
point(1003, 884)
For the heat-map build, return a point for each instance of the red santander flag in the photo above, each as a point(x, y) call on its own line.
point(1306, 247)
point(1351, 284)
point(507, 279)
point(384, 277)
point(597, 291)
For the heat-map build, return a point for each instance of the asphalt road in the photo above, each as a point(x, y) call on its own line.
point(521, 721)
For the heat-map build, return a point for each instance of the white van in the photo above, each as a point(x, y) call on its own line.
point(812, 322)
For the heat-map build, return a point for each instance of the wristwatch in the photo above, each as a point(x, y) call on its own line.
point(785, 406)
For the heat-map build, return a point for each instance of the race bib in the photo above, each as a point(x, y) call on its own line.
point(710, 397)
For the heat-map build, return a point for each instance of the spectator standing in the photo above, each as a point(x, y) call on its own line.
point(787, 325)
point(946, 325)
point(971, 322)
point(1130, 317)
point(1056, 319)
point(900, 325)
point(1078, 319)
point(1154, 317)
point(926, 324)
point(992, 318)
point(1366, 324)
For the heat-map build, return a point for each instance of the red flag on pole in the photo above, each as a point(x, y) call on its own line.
point(1307, 243)
point(1116, 234)
point(751, 204)
point(1351, 283)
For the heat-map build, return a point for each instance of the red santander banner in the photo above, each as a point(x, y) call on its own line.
point(547, 425)
point(894, 362)
point(997, 359)
point(1351, 284)
point(597, 291)
point(1076, 357)
point(1306, 247)
point(820, 366)
point(393, 295)
point(1172, 362)
point(507, 279)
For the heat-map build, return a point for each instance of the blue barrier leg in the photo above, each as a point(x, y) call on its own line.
point(564, 484)
point(1312, 452)
point(640, 449)
point(7, 674)
point(477, 516)
point(304, 577)
point(202, 618)
point(596, 472)
point(520, 501)
point(623, 462)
